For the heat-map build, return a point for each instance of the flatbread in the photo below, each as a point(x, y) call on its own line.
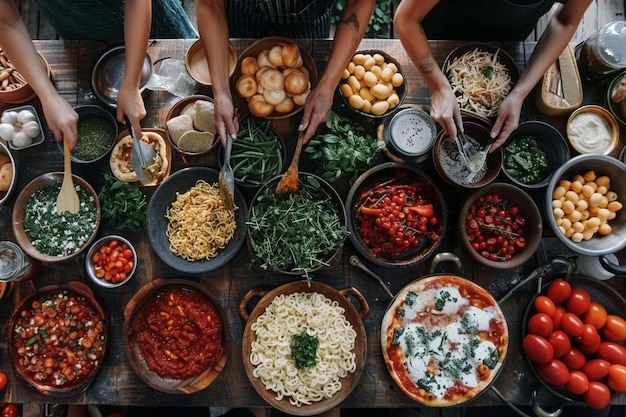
point(205, 116)
point(178, 126)
point(194, 141)
point(121, 165)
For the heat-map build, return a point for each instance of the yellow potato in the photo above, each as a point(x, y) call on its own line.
point(356, 101)
point(380, 91)
point(379, 108)
point(370, 79)
point(346, 90)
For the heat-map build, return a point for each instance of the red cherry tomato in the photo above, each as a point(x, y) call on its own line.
point(612, 352)
point(537, 348)
point(10, 410)
point(590, 335)
point(560, 342)
point(574, 358)
point(577, 383)
point(617, 378)
point(614, 329)
point(596, 369)
point(598, 395)
point(3, 380)
point(572, 324)
point(558, 316)
point(541, 324)
point(591, 347)
point(595, 315)
point(578, 302)
point(554, 372)
point(559, 291)
point(545, 305)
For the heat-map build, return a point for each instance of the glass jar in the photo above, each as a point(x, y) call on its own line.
point(604, 52)
point(14, 264)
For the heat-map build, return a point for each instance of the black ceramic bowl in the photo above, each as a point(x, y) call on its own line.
point(162, 199)
point(97, 132)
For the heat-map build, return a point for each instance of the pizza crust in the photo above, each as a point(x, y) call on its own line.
point(120, 162)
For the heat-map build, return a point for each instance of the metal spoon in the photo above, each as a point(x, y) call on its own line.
point(226, 178)
point(141, 155)
point(355, 261)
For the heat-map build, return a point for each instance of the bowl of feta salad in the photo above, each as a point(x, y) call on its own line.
point(50, 237)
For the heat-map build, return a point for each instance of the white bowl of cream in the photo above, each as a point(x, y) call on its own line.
point(592, 130)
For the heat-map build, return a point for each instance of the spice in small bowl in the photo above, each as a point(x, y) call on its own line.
point(97, 131)
point(111, 261)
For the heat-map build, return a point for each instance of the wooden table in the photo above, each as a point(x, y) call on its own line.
point(116, 383)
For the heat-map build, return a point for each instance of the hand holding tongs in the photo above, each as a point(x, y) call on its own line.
point(465, 148)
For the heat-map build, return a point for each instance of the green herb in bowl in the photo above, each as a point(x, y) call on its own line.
point(122, 203)
point(95, 137)
point(525, 160)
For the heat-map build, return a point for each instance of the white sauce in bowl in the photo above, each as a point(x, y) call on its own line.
point(589, 133)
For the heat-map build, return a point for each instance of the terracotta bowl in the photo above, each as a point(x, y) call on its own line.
point(135, 313)
point(23, 197)
point(197, 66)
point(24, 92)
point(176, 110)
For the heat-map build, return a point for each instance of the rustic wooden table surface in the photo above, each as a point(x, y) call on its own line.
point(116, 383)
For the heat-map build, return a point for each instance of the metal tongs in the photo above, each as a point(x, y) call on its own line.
point(465, 148)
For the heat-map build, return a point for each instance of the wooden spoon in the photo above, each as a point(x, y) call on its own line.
point(289, 182)
point(67, 200)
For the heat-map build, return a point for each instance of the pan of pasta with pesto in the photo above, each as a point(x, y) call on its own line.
point(304, 345)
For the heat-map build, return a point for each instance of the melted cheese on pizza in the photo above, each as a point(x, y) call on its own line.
point(445, 342)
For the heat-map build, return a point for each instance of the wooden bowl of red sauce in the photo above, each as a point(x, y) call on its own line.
point(71, 314)
point(174, 336)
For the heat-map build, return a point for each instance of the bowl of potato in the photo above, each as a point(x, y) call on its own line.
point(7, 173)
point(372, 84)
point(273, 78)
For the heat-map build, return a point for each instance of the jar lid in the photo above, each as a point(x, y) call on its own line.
point(11, 260)
point(410, 133)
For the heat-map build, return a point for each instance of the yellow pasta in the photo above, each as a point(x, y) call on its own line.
point(286, 316)
point(480, 81)
point(199, 224)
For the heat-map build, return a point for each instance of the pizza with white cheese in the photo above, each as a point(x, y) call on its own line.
point(444, 339)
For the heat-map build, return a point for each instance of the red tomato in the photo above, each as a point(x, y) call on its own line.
point(559, 291)
point(10, 410)
point(560, 342)
point(614, 329)
point(596, 369)
point(554, 372)
point(595, 315)
point(612, 352)
point(541, 324)
point(574, 358)
point(577, 383)
point(572, 324)
point(3, 380)
point(590, 335)
point(578, 302)
point(591, 347)
point(558, 316)
point(545, 305)
point(537, 348)
point(617, 377)
point(598, 395)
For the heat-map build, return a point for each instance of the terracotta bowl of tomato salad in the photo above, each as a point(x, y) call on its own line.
point(573, 338)
point(111, 261)
point(500, 226)
point(396, 215)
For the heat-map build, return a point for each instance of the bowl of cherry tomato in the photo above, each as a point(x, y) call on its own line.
point(111, 261)
point(500, 226)
point(573, 337)
point(396, 216)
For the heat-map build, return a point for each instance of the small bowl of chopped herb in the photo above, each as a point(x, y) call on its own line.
point(532, 153)
point(97, 131)
point(47, 236)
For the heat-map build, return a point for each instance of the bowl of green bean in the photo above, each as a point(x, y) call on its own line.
point(296, 233)
point(258, 154)
point(97, 131)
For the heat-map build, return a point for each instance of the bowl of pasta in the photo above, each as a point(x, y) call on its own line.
point(322, 380)
point(188, 226)
point(481, 76)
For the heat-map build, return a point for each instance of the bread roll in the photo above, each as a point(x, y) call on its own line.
point(274, 97)
point(276, 56)
point(285, 106)
point(6, 176)
point(246, 86)
point(290, 55)
point(249, 66)
point(178, 126)
point(296, 83)
point(259, 107)
point(205, 116)
point(272, 79)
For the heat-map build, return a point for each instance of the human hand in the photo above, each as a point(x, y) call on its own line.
point(226, 118)
point(130, 103)
point(445, 111)
point(316, 110)
point(507, 120)
point(61, 119)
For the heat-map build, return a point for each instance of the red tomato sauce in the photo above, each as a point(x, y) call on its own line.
point(179, 333)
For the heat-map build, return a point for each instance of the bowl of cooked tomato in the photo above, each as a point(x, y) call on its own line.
point(500, 226)
point(396, 215)
point(58, 338)
point(111, 261)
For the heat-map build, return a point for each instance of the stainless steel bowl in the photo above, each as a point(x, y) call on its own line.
point(108, 72)
point(5, 195)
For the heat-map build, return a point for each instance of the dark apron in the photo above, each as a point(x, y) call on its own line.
point(297, 19)
point(484, 20)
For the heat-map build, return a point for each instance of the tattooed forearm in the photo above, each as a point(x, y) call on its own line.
point(427, 63)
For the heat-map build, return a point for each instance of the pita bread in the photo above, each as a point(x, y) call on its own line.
point(190, 110)
point(205, 116)
point(179, 125)
point(122, 167)
point(194, 141)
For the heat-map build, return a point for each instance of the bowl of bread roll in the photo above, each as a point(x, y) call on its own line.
point(7, 173)
point(273, 78)
point(190, 125)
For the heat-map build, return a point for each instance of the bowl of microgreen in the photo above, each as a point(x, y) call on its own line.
point(532, 153)
point(50, 237)
point(123, 204)
point(97, 131)
point(296, 233)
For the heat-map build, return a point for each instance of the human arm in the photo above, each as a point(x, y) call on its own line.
point(15, 41)
point(349, 32)
point(553, 41)
point(407, 20)
point(137, 21)
point(214, 38)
